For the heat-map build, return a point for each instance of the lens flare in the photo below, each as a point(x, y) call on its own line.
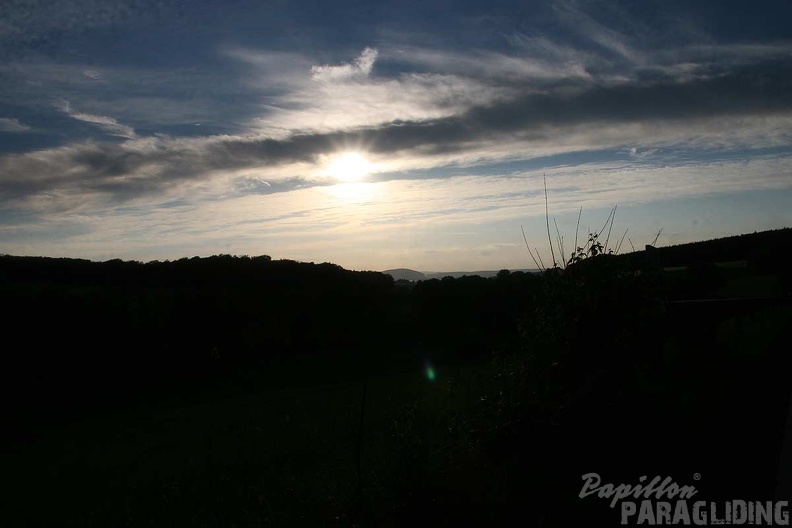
point(430, 372)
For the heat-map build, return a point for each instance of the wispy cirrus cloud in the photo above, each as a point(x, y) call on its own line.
point(146, 100)
point(12, 124)
point(108, 124)
point(608, 39)
point(359, 68)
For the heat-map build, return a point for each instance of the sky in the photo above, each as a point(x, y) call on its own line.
point(386, 134)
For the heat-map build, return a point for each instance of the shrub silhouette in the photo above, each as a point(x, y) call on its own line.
point(593, 313)
point(588, 316)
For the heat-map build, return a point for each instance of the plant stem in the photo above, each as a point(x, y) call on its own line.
point(605, 249)
point(529, 249)
point(559, 240)
point(577, 229)
point(606, 223)
point(618, 247)
point(658, 236)
point(547, 221)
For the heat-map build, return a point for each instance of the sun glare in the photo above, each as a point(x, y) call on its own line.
point(349, 167)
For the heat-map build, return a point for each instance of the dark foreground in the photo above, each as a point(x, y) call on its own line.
point(471, 448)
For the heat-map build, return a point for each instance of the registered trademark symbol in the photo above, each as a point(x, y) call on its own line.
point(696, 476)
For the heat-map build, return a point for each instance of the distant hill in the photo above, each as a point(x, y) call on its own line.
point(412, 275)
point(405, 274)
point(457, 274)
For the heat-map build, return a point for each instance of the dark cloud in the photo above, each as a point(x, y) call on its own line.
point(755, 91)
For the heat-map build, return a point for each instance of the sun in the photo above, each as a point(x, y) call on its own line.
point(349, 167)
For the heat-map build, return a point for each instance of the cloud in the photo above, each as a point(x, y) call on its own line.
point(147, 99)
point(8, 124)
point(607, 38)
point(359, 68)
point(721, 112)
point(108, 124)
point(305, 99)
point(267, 69)
point(426, 109)
point(535, 68)
point(332, 107)
point(543, 69)
point(154, 170)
